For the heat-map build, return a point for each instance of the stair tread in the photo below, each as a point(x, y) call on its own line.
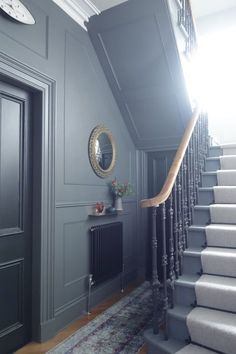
point(217, 281)
point(221, 205)
point(219, 251)
point(213, 328)
point(210, 173)
point(222, 227)
point(197, 227)
point(216, 292)
point(193, 251)
point(194, 349)
point(222, 187)
point(226, 157)
point(227, 146)
point(205, 189)
point(213, 158)
point(221, 171)
point(188, 280)
point(202, 207)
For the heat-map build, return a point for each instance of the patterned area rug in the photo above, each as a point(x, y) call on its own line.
point(118, 330)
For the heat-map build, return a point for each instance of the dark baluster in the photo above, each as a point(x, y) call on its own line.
point(171, 251)
point(194, 168)
point(191, 178)
point(201, 152)
point(197, 161)
point(189, 184)
point(180, 224)
point(155, 280)
point(183, 204)
point(185, 196)
point(176, 233)
point(164, 265)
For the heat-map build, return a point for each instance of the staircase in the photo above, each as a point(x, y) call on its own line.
point(205, 295)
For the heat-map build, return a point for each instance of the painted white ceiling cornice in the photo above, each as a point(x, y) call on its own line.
point(79, 10)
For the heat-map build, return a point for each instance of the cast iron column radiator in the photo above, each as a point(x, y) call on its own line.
point(106, 254)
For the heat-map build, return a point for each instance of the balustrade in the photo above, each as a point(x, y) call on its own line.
point(176, 215)
point(186, 25)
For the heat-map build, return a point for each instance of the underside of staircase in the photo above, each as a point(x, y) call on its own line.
point(203, 319)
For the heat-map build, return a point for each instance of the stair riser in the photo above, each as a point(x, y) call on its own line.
point(152, 349)
point(177, 328)
point(156, 344)
point(231, 151)
point(223, 215)
point(184, 295)
point(196, 238)
point(212, 165)
point(205, 197)
point(201, 217)
point(215, 152)
point(209, 180)
point(192, 264)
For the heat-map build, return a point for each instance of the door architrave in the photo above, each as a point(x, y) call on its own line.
point(43, 237)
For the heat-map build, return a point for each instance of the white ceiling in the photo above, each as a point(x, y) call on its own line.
point(81, 10)
point(203, 8)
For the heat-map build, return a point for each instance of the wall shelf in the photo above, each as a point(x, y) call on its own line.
point(105, 214)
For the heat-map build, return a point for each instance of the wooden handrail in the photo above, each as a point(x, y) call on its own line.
point(173, 172)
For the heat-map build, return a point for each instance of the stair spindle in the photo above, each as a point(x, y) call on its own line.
point(155, 279)
point(171, 251)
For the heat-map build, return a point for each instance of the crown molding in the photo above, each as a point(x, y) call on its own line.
point(79, 10)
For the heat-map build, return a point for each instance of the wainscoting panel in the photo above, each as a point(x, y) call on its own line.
point(73, 253)
point(11, 276)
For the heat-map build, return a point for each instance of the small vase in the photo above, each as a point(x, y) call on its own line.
point(118, 204)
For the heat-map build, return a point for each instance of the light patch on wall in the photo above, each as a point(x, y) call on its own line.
point(212, 81)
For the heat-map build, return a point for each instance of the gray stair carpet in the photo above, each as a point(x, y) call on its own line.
point(221, 261)
point(223, 213)
point(212, 323)
point(213, 329)
point(228, 162)
point(224, 194)
point(226, 178)
point(229, 150)
point(221, 235)
point(216, 292)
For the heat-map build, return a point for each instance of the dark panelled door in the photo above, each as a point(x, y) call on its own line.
point(15, 218)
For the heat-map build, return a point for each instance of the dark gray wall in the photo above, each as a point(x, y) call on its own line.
point(136, 45)
point(57, 47)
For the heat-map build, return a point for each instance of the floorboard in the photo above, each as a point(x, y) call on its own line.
point(42, 348)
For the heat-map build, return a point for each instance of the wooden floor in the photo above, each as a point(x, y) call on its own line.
point(41, 348)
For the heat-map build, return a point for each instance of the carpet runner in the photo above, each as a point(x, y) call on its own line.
point(226, 178)
point(117, 330)
point(212, 323)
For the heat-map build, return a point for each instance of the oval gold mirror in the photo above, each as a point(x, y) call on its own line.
point(102, 151)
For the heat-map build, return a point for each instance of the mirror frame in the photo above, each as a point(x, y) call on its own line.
point(98, 130)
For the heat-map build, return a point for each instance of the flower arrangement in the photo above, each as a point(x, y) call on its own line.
point(120, 189)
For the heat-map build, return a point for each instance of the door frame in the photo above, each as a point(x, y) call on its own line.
point(43, 233)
